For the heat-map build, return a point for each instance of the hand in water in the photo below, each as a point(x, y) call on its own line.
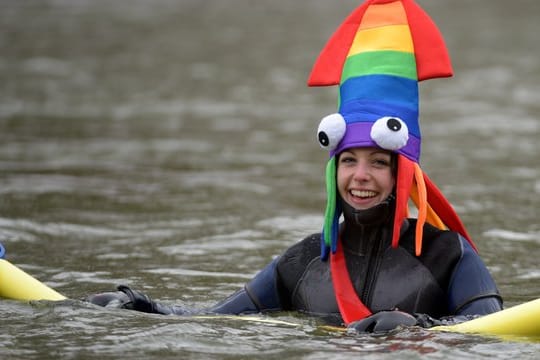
point(124, 298)
point(383, 321)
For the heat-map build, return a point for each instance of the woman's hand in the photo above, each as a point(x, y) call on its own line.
point(124, 298)
point(383, 321)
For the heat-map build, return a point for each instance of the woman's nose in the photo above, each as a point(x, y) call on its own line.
point(361, 172)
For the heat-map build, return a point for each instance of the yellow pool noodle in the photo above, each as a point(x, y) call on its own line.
point(18, 285)
point(519, 320)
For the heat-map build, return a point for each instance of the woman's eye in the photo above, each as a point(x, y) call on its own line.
point(346, 160)
point(381, 162)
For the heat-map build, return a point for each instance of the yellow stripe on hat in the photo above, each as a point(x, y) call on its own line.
point(392, 37)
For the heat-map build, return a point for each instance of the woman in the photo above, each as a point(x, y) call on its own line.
point(378, 268)
point(447, 279)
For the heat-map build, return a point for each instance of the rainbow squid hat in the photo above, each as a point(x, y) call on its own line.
point(377, 57)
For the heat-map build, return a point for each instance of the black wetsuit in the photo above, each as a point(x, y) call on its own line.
point(447, 279)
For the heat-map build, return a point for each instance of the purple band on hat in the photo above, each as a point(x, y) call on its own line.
point(358, 135)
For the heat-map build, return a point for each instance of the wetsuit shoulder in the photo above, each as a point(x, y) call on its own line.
point(457, 268)
point(294, 261)
point(472, 290)
point(441, 250)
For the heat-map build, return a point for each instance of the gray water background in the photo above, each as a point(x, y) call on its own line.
point(169, 145)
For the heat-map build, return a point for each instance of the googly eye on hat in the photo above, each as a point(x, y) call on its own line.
point(390, 133)
point(331, 130)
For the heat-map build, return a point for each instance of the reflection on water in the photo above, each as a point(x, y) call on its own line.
point(169, 145)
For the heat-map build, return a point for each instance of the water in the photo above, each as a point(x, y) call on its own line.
point(168, 145)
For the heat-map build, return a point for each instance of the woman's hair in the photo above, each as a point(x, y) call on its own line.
point(393, 164)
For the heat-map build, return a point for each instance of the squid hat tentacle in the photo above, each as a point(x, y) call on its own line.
point(332, 214)
point(377, 56)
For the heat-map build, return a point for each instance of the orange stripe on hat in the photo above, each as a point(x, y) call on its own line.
point(378, 15)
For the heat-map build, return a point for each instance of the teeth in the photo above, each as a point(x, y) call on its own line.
point(363, 193)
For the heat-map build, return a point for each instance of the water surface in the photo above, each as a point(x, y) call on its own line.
point(169, 145)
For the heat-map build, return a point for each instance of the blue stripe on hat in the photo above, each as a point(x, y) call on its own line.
point(394, 91)
point(371, 110)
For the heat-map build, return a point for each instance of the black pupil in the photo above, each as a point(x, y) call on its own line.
point(393, 124)
point(323, 138)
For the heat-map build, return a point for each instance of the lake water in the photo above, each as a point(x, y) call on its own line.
point(169, 145)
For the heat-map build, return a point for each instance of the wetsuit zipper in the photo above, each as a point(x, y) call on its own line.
point(373, 266)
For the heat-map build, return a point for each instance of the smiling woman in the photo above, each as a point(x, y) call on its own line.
point(384, 267)
point(162, 145)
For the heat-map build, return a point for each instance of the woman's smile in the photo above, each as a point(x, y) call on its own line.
point(363, 199)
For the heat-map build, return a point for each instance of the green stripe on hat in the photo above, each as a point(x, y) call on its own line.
point(396, 63)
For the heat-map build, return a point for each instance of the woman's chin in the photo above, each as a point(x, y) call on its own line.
point(362, 204)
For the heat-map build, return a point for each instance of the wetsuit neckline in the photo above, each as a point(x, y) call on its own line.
point(362, 227)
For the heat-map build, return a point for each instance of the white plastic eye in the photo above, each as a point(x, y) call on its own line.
point(390, 133)
point(331, 130)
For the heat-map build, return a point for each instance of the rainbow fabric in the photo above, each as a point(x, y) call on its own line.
point(379, 78)
point(377, 57)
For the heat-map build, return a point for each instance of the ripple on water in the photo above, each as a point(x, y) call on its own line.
point(513, 235)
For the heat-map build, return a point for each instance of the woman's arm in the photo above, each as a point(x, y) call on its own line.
point(472, 290)
point(258, 295)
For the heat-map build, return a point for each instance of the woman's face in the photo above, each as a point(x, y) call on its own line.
point(364, 176)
